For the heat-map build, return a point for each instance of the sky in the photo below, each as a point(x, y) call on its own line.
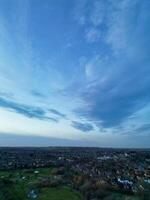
point(75, 73)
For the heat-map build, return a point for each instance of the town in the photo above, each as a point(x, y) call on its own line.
point(96, 173)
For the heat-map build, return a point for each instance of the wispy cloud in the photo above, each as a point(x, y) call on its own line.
point(118, 80)
point(28, 111)
point(80, 11)
point(92, 35)
point(6, 94)
point(56, 112)
point(85, 127)
point(37, 94)
point(143, 128)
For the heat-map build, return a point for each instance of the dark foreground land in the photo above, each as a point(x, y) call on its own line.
point(74, 174)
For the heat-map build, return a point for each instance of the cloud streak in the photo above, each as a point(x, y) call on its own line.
point(28, 111)
point(85, 127)
point(57, 113)
point(37, 94)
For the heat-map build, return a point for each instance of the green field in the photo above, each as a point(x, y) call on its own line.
point(59, 194)
point(15, 185)
point(117, 196)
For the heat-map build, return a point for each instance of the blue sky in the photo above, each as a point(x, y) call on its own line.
point(75, 73)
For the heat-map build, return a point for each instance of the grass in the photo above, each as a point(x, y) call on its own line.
point(60, 193)
point(119, 196)
point(18, 189)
